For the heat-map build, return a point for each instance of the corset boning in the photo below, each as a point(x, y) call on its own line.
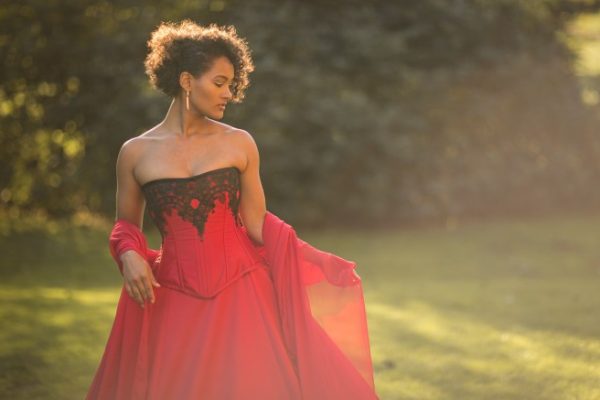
point(204, 248)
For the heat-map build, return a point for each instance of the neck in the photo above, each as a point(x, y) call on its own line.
point(184, 123)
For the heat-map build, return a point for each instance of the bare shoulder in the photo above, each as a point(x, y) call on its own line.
point(243, 138)
point(232, 131)
point(242, 135)
point(245, 142)
point(133, 148)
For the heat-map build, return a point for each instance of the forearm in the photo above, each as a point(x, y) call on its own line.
point(127, 254)
point(126, 239)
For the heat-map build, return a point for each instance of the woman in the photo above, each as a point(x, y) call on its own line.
point(233, 305)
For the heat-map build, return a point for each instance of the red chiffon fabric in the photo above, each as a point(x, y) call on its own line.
point(322, 310)
point(283, 321)
point(126, 236)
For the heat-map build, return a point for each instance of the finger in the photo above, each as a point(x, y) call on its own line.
point(137, 294)
point(131, 292)
point(128, 289)
point(148, 287)
point(139, 285)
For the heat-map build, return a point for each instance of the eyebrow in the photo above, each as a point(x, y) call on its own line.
point(222, 76)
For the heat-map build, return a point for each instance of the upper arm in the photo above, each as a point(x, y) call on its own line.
point(129, 198)
point(252, 199)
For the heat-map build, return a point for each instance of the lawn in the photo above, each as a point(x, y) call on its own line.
point(497, 309)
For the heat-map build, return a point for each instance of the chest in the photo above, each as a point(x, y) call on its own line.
point(175, 158)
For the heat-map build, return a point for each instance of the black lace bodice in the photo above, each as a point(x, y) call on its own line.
point(193, 198)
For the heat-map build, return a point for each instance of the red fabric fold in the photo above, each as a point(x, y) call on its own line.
point(322, 310)
point(127, 236)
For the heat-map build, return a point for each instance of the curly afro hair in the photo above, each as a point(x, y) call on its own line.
point(187, 46)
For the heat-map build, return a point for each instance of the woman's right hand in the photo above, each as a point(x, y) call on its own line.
point(138, 277)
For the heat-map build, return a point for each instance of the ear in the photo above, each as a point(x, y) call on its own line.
point(185, 81)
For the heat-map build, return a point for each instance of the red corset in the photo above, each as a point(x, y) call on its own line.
point(204, 247)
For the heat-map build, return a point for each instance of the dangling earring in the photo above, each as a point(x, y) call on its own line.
point(187, 100)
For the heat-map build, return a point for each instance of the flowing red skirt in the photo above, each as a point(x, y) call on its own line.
point(293, 328)
point(182, 347)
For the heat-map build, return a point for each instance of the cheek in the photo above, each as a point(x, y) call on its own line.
point(205, 92)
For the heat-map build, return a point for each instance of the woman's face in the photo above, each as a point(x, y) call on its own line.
point(211, 91)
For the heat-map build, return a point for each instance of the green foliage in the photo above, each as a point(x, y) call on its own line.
point(436, 110)
point(365, 112)
point(73, 90)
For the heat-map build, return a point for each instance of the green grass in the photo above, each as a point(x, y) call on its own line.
point(486, 310)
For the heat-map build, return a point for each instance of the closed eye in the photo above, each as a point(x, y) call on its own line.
point(221, 85)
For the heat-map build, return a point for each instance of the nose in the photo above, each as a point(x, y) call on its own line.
point(228, 93)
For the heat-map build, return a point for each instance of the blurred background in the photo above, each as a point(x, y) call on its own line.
point(451, 148)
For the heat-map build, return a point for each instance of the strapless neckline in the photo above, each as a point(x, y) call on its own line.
point(186, 178)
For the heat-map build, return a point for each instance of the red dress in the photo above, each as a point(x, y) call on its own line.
point(232, 320)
